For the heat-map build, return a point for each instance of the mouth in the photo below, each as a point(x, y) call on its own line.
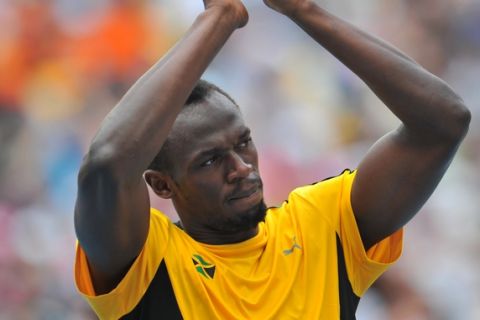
point(247, 198)
point(244, 194)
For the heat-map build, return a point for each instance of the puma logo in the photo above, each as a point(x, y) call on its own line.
point(294, 246)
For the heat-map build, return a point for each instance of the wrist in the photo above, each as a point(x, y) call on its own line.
point(229, 15)
point(302, 9)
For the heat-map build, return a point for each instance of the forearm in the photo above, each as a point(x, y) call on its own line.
point(134, 131)
point(424, 103)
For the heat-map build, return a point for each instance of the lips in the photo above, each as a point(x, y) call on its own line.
point(243, 194)
point(246, 189)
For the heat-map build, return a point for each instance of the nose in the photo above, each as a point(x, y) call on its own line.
point(239, 168)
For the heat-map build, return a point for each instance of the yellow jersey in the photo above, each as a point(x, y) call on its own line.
point(306, 262)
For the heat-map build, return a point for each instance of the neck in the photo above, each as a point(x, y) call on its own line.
point(216, 237)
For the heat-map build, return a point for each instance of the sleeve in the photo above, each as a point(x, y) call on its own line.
point(329, 202)
point(363, 267)
point(123, 299)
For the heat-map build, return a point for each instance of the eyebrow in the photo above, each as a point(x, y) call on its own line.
point(208, 152)
point(217, 150)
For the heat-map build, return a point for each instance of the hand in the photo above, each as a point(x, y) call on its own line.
point(234, 8)
point(286, 7)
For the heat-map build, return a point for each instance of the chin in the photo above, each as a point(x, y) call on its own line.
point(244, 221)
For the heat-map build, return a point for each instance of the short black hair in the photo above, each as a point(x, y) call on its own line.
point(202, 90)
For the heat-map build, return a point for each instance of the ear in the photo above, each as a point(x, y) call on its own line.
point(160, 183)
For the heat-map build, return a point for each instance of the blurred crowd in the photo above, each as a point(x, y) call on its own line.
point(65, 63)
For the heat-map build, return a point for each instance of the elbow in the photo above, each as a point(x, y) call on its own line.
point(103, 166)
point(98, 162)
point(465, 118)
point(459, 120)
point(121, 163)
point(450, 122)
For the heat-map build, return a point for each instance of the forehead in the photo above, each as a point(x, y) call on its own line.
point(209, 124)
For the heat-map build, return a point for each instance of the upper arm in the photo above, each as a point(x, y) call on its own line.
point(111, 221)
point(393, 181)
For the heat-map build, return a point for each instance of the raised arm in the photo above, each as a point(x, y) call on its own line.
point(112, 208)
point(403, 168)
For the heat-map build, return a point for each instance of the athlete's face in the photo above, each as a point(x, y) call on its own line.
point(217, 186)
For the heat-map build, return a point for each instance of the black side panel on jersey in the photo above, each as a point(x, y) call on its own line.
point(159, 301)
point(348, 299)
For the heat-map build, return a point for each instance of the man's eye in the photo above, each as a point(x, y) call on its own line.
point(209, 162)
point(244, 143)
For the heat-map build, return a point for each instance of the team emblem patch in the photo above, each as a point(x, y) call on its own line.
point(203, 267)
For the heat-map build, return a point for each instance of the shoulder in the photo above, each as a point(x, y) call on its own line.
point(322, 200)
point(159, 221)
point(325, 193)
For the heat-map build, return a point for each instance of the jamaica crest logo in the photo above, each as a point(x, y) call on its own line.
point(203, 267)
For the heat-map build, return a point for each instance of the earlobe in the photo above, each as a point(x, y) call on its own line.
point(159, 183)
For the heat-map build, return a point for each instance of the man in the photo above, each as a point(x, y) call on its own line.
point(230, 258)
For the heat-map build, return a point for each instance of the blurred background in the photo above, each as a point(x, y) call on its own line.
point(65, 63)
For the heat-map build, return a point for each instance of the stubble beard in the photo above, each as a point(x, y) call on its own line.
point(243, 221)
